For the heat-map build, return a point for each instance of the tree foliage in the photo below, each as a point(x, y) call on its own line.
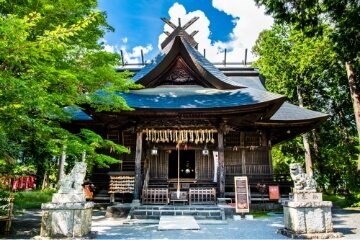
point(343, 17)
point(287, 58)
point(51, 58)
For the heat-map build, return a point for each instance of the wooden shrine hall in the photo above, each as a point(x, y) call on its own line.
point(195, 126)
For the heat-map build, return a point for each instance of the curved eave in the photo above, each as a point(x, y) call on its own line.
point(291, 112)
point(219, 111)
point(198, 98)
point(290, 121)
point(281, 132)
point(198, 63)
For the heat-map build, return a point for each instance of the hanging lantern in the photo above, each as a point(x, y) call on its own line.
point(205, 151)
point(154, 151)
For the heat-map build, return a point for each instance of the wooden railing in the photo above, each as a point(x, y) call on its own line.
point(6, 209)
point(155, 196)
point(202, 196)
point(191, 196)
point(260, 178)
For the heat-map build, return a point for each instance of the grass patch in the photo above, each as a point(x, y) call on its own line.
point(32, 199)
point(259, 214)
point(263, 214)
point(343, 201)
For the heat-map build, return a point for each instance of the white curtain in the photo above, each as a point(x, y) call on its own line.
point(216, 157)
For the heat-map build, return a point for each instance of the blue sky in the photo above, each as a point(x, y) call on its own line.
point(223, 24)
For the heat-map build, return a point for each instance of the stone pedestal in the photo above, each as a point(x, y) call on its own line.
point(68, 197)
point(66, 219)
point(308, 217)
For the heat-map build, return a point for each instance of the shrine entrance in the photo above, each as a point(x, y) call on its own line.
point(187, 164)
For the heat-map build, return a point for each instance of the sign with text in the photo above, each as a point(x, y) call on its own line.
point(241, 194)
point(274, 193)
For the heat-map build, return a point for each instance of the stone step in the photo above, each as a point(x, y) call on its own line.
point(154, 212)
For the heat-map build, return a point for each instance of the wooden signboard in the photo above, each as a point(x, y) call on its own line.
point(241, 194)
point(274, 193)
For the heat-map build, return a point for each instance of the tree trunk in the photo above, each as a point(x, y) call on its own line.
point(316, 145)
point(45, 183)
point(308, 161)
point(355, 98)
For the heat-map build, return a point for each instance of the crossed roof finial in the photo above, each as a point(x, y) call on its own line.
point(180, 30)
point(173, 26)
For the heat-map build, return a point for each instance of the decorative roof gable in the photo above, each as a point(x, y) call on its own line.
point(179, 74)
point(207, 74)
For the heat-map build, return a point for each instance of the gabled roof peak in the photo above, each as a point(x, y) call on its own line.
point(180, 31)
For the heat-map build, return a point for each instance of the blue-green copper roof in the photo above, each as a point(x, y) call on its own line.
point(77, 113)
point(196, 98)
point(290, 112)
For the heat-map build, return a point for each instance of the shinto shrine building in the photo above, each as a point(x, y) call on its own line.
point(194, 125)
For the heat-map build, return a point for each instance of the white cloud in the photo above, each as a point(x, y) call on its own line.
point(135, 55)
point(252, 21)
point(125, 40)
point(109, 48)
point(248, 21)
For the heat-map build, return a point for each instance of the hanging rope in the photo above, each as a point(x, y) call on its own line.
point(183, 135)
point(178, 182)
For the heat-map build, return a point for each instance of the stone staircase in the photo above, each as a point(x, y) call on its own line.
point(198, 212)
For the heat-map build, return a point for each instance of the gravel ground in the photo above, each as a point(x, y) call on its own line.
point(27, 226)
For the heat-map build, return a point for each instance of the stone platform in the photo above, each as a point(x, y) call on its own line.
point(308, 219)
point(294, 235)
point(178, 223)
point(70, 219)
point(209, 212)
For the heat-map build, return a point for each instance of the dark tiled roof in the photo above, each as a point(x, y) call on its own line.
point(152, 65)
point(195, 98)
point(202, 65)
point(248, 81)
point(208, 66)
point(290, 112)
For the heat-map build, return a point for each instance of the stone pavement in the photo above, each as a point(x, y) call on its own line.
point(346, 222)
point(27, 226)
point(262, 228)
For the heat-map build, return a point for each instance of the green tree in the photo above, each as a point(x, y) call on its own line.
point(343, 16)
point(51, 58)
point(290, 60)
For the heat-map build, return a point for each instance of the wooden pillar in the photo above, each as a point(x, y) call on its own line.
point(138, 177)
point(265, 142)
point(243, 153)
point(270, 157)
point(221, 167)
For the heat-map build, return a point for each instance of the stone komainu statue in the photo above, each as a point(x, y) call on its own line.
point(72, 182)
point(302, 181)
